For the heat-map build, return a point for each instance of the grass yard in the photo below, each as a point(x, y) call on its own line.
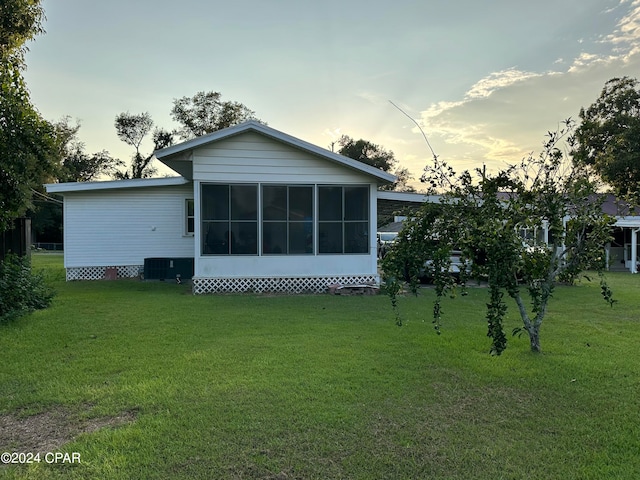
point(143, 380)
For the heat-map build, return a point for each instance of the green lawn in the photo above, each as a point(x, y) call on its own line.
point(151, 382)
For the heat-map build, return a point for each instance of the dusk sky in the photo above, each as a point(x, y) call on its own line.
point(486, 80)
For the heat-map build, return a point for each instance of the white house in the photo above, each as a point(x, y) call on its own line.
point(256, 209)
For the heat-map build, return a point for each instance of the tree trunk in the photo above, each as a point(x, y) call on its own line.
point(532, 327)
point(534, 338)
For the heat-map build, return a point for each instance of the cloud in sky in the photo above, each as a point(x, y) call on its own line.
point(504, 116)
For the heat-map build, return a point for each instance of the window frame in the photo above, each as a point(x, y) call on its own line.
point(353, 219)
point(187, 217)
point(287, 221)
point(232, 222)
point(326, 222)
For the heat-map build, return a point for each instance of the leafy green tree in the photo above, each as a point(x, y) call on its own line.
point(206, 112)
point(77, 165)
point(133, 129)
point(608, 138)
point(498, 223)
point(20, 21)
point(367, 152)
point(29, 153)
point(372, 154)
point(29, 148)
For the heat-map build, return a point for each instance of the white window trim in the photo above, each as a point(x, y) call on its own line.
point(186, 232)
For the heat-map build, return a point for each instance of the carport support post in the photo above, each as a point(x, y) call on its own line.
point(634, 250)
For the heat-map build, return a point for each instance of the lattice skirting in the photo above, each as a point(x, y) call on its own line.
point(100, 273)
point(276, 284)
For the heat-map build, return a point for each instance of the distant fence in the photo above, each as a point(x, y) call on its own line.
point(52, 247)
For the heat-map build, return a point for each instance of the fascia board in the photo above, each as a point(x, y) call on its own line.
point(114, 184)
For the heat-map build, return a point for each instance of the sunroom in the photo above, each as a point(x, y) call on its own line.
point(275, 213)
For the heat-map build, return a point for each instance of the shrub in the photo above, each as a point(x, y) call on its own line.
point(21, 290)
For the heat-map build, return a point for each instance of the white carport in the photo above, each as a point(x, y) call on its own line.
point(630, 227)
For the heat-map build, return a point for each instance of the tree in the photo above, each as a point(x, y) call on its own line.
point(403, 176)
point(20, 21)
point(496, 221)
point(29, 153)
point(77, 165)
point(206, 112)
point(133, 129)
point(29, 148)
point(608, 139)
point(367, 152)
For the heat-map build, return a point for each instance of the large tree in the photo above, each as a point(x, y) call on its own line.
point(29, 149)
point(522, 230)
point(206, 112)
point(608, 138)
point(20, 21)
point(77, 165)
point(367, 152)
point(372, 154)
point(29, 153)
point(133, 129)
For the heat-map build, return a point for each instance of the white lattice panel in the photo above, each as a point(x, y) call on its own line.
point(98, 273)
point(130, 271)
point(276, 285)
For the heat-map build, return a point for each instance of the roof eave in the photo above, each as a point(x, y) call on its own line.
point(114, 184)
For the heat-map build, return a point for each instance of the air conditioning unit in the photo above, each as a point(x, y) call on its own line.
point(180, 269)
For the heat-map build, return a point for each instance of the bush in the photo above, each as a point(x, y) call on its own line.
point(21, 290)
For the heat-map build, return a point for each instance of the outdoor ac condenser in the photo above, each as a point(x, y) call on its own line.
point(168, 268)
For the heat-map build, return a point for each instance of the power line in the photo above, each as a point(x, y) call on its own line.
point(419, 128)
point(47, 197)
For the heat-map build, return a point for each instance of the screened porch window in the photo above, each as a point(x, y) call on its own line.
point(343, 219)
point(229, 219)
point(287, 220)
point(243, 219)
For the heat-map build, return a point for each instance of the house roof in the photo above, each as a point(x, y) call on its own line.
point(408, 197)
point(391, 203)
point(175, 156)
point(617, 207)
point(114, 184)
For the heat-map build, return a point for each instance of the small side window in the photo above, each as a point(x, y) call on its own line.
point(189, 217)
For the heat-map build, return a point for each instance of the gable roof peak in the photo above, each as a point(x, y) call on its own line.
point(261, 128)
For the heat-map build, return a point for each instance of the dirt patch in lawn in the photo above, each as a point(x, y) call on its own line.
point(51, 429)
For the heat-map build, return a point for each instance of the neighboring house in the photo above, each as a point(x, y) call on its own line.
point(623, 253)
point(256, 209)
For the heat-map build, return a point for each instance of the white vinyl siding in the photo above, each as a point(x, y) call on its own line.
point(251, 157)
point(125, 226)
